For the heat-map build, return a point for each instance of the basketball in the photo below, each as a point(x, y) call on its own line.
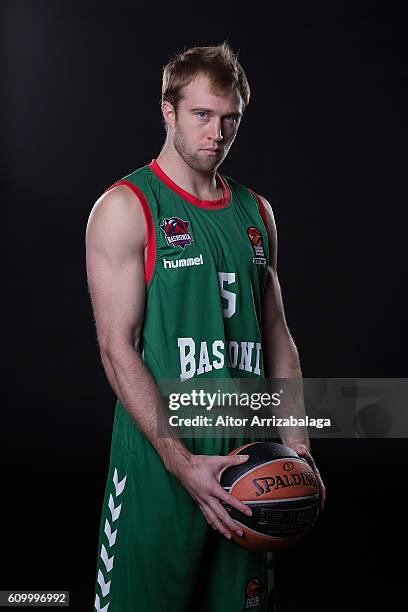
point(282, 491)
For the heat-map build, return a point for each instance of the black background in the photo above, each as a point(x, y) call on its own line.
point(322, 139)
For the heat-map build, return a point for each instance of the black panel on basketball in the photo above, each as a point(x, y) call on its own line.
point(279, 519)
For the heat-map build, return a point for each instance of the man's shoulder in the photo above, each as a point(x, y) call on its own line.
point(240, 187)
point(129, 187)
point(233, 182)
point(120, 196)
point(138, 174)
point(116, 220)
point(135, 177)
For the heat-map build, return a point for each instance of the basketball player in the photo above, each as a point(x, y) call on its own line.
point(181, 289)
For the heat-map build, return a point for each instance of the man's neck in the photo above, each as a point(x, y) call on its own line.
point(202, 186)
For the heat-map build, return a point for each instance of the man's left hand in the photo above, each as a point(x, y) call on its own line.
point(303, 451)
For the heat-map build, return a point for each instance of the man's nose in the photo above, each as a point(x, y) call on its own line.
point(216, 130)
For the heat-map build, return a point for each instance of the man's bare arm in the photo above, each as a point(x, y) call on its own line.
point(281, 357)
point(280, 352)
point(115, 246)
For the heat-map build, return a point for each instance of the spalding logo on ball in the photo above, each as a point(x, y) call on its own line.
point(280, 488)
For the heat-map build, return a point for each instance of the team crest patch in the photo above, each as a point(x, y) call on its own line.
point(176, 232)
point(252, 593)
point(255, 236)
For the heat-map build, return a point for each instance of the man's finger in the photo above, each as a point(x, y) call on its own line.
point(206, 516)
point(231, 461)
point(309, 458)
point(223, 516)
point(233, 501)
point(303, 452)
point(215, 521)
point(322, 495)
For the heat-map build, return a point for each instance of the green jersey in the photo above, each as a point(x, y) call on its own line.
point(205, 271)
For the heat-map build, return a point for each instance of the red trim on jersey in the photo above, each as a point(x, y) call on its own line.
point(220, 203)
point(150, 236)
point(261, 207)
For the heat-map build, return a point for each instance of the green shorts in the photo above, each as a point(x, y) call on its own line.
point(156, 551)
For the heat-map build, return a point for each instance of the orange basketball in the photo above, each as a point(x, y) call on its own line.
point(280, 488)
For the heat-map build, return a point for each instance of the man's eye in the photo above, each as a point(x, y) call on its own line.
point(201, 114)
point(231, 118)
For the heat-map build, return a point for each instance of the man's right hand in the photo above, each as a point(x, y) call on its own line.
point(201, 478)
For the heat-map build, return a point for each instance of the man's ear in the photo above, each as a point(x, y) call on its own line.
point(169, 113)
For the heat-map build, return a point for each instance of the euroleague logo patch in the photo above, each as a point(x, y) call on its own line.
point(252, 593)
point(255, 236)
point(176, 232)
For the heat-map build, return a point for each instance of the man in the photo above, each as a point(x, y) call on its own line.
point(181, 266)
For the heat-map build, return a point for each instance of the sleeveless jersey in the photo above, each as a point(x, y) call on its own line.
point(205, 272)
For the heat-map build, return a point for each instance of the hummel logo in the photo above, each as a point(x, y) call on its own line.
point(181, 263)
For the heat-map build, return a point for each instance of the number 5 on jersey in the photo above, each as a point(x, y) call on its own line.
point(231, 298)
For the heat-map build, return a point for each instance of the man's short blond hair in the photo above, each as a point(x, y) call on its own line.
point(219, 63)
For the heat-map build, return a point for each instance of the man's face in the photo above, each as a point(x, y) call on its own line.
point(206, 124)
